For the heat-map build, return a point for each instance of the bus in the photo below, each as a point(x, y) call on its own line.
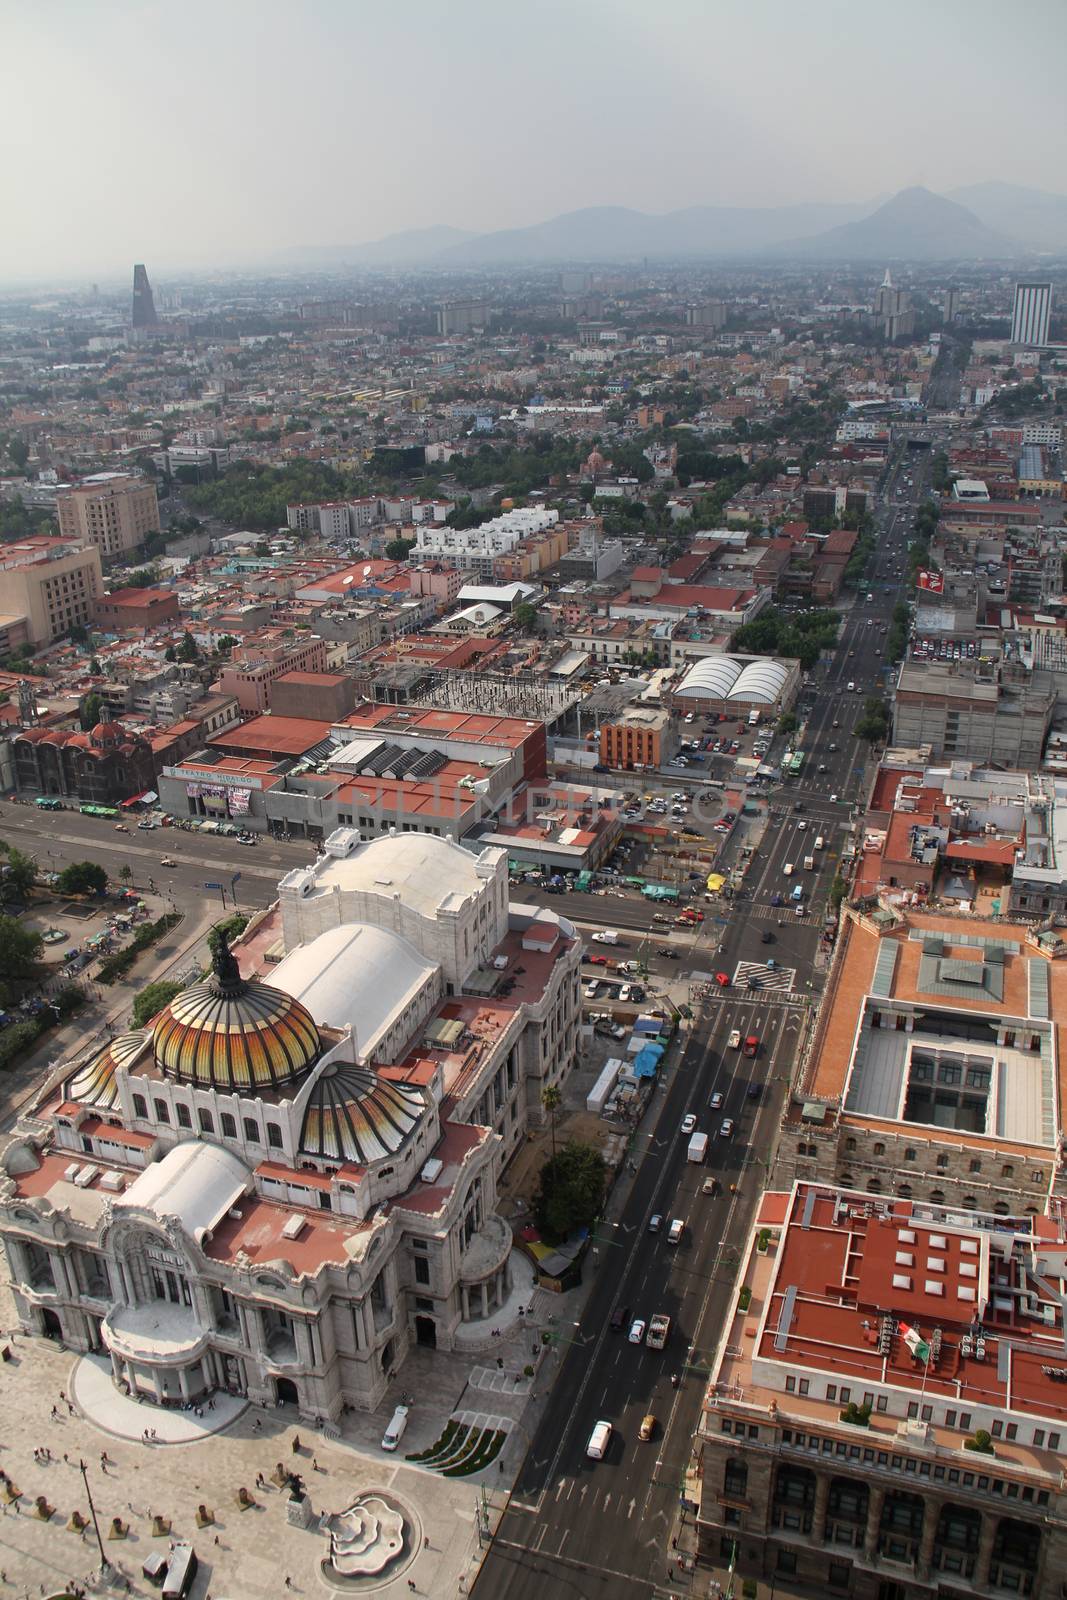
point(795, 762)
point(660, 891)
point(98, 811)
point(48, 802)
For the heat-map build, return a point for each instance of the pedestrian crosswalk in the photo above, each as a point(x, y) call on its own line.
point(771, 979)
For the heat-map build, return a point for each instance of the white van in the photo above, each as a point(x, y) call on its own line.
point(599, 1440)
point(851, 686)
point(820, 843)
point(788, 869)
point(395, 1431)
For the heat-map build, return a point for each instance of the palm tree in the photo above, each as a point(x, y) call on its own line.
point(552, 1099)
point(125, 873)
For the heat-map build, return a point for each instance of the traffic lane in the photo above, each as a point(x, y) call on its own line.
point(642, 1269)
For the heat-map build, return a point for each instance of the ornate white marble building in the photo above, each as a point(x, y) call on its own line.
point(290, 1175)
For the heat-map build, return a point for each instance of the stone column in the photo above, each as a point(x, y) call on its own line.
point(183, 1382)
point(466, 1294)
point(874, 1523)
point(931, 1517)
point(484, 1288)
point(116, 1366)
point(985, 1548)
point(818, 1516)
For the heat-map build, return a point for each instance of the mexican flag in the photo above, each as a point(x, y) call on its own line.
point(915, 1342)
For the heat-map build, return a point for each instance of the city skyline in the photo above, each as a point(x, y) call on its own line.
point(484, 128)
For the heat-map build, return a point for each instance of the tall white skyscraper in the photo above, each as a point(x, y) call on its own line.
point(1030, 313)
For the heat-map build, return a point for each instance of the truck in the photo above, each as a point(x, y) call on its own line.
point(606, 936)
point(809, 863)
point(751, 1045)
point(753, 718)
point(698, 1147)
point(659, 1331)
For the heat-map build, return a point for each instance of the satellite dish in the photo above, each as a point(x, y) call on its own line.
point(366, 571)
point(349, 579)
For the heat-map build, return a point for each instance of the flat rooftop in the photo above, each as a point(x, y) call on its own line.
point(981, 1050)
point(909, 1300)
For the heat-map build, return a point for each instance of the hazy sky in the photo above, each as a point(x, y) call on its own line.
point(213, 134)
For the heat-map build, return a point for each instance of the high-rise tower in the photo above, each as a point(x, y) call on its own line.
point(1030, 313)
point(144, 307)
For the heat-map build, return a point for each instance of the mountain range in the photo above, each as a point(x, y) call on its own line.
point(986, 221)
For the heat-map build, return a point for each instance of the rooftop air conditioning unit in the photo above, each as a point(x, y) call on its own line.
point(294, 1227)
point(432, 1170)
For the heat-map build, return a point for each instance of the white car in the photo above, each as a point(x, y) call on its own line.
point(716, 1101)
point(726, 1128)
point(734, 1041)
point(626, 993)
point(591, 989)
point(637, 1331)
point(689, 1122)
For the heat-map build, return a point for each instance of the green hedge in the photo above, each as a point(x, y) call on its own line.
point(114, 967)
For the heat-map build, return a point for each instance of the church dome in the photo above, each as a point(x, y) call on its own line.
point(93, 1084)
point(234, 1033)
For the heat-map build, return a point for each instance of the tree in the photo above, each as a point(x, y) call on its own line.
point(552, 1099)
point(126, 872)
point(525, 618)
point(788, 723)
point(82, 877)
point(571, 1190)
point(20, 955)
point(18, 452)
point(17, 877)
point(89, 712)
point(398, 549)
point(152, 999)
point(188, 650)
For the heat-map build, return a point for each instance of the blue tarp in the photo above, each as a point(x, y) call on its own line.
point(646, 1062)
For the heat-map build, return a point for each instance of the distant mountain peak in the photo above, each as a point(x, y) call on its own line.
point(913, 225)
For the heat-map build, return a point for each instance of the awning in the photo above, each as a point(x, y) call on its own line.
point(145, 799)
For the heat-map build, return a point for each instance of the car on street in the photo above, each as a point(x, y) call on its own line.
point(722, 979)
point(766, 937)
point(648, 1427)
point(595, 961)
point(637, 1330)
point(753, 1091)
point(689, 1122)
point(716, 1101)
point(726, 1128)
point(167, 861)
point(655, 1222)
point(708, 1186)
point(734, 1041)
point(675, 1231)
point(619, 1318)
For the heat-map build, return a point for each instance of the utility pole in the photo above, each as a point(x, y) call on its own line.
point(104, 1563)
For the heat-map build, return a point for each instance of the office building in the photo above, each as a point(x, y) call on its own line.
point(53, 584)
point(111, 510)
point(979, 711)
point(289, 1178)
point(886, 1412)
point(951, 304)
point(1030, 313)
point(144, 306)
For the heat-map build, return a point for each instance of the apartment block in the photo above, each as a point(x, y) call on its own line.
point(110, 510)
point(52, 584)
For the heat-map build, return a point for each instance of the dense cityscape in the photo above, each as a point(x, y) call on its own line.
point(533, 873)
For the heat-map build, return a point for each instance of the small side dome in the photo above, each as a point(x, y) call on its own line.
point(93, 1084)
point(353, 1115)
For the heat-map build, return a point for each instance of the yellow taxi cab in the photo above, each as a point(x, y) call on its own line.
point(648, 1427)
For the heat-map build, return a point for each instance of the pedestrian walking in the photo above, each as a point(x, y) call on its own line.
point(288, 1581)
